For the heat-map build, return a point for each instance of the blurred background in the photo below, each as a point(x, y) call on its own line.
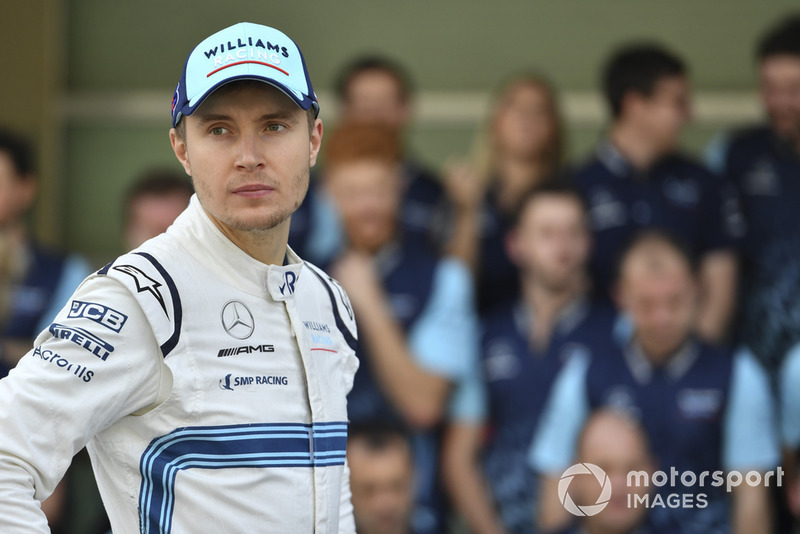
point(90, 81)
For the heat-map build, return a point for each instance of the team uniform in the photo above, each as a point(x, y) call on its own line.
point(765, 169)
point(507, 388)
point(48, 283)
point(705, 410)
point(433, 303)
point(209, 388)
point(675, 195)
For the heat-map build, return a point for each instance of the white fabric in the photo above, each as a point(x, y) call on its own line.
point(235, 434)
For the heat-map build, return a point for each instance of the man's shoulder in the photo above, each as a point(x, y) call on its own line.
point(329, 290)
point(752, 135)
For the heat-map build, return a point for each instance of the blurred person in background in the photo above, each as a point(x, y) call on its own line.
point(414, 311)
point(704, 408)
point(521, 147)
point(381, 477)
point(152, 204)
point(35, 281)
point(524, 344)
point(379, 89)
point(617, 444)
point(789, 394)
point(763, 162)
point(638, 179)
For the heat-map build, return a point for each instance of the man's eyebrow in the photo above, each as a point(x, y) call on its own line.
point(280, 115)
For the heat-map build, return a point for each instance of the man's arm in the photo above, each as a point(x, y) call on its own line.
point(750, 441)
point(418, 382)
point(464, 480)
point(63, 392)
point(718, 279)
point(554, 443)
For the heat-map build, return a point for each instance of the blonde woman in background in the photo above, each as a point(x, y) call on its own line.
point(521, 147)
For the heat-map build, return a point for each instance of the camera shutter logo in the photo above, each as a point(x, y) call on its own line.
point(584, 469)
point(237, 320)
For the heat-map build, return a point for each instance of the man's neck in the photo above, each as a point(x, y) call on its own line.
point(658, 354)
point(267, 246)
point(634, 146)
point(547, 303)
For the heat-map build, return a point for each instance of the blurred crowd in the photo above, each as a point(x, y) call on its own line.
point(531, 329)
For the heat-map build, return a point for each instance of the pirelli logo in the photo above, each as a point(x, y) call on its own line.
point(245, 349)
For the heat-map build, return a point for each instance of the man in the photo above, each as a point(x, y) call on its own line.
point(188, 366)
point(703, 408)
point(523, 347)
point(618, 445)
point(153, 203)
point(381, 478)
point(35, 281)
point(763, 163)
point(377, 89)
point(638, 180)
point(415, 311)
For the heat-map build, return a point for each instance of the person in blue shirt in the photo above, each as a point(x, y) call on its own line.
point(522, 147)
point(763, 162)
point(617, 444)
point(414, 310)
point(704, 408)
point(35, 281)
point(638, 179)
point(524, 344)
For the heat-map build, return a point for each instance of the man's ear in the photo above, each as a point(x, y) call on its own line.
point(315, 142)
point(180, 149)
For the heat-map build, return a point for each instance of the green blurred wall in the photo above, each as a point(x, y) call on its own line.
point(116, 52)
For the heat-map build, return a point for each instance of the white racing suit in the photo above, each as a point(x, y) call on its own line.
point(209, 388)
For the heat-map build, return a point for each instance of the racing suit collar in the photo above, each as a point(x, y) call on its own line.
point(210, 247)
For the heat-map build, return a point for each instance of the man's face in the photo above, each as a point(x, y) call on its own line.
point(617, 450)
point(551, 242)
point(663, 114)
point(16, 192)
point(375, 96)
point(367, 195)
point(523, 123)
point(248, 151)
point(658, 292)
point(382, 486)
point(780, 92)
point(151, 215)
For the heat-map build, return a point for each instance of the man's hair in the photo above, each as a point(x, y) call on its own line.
point(353, 142)
point(781, 39)
point(379, 435)
point(158, 183)
point(382, 64)
point(557, 185)
point(637, 68)
point(20, 151)
point(658, 237)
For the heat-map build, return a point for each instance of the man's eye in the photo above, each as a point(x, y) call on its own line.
point(276, 127)
point(219, 130)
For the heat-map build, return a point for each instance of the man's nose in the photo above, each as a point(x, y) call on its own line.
point(250, 151)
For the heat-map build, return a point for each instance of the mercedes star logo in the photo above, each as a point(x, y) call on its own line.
point(237, 320)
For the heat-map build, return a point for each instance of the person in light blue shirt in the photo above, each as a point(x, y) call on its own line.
point(414, 310)
point(35, 281)
point(704, 408)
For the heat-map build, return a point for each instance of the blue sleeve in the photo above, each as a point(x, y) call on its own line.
point(75, 270)
point(325, 238)
point(444, 340)
point(789, 384)
point(468, 403)
point(716, 152)
point(750, 426)
point(555, 440)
